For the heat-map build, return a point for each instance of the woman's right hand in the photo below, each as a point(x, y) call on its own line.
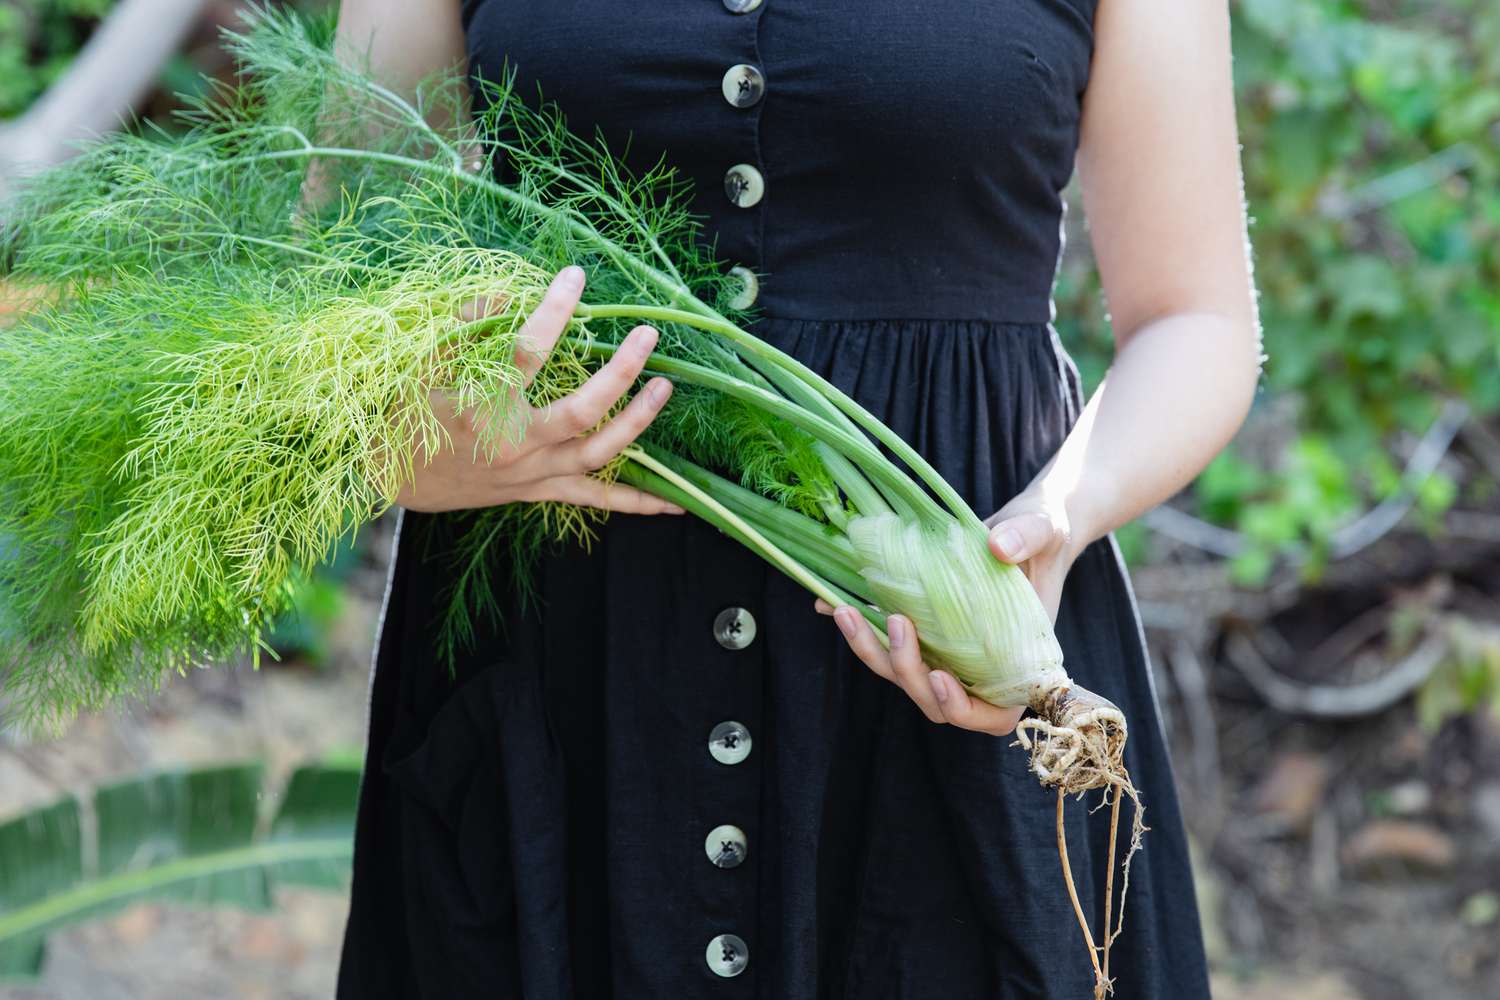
point(554, 457)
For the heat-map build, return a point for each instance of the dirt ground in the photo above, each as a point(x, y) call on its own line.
point(1336, 862)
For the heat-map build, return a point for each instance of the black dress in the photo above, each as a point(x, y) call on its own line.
point(675, 781)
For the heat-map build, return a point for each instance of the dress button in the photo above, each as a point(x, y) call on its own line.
point(728, 955)
point(749, 288)
point(729, 742)
point(744, 185)
point(726, 846)
point(743, 85)
point(734, 628)
point(741, 6)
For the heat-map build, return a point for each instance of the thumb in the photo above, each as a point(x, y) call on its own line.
point(1018, 538)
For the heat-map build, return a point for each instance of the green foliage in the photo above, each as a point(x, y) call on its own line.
point(38, 39)
point(1373, 180)
point(315, 602)
point(1468, 679)
point(198, 837)
point(227, 376)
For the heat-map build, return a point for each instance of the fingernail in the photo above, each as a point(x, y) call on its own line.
point(1009, 540)
point(672, 508)
point(645, 340)
point(895, 628)
point(570, 277)
point(657, 392)
point(939, 686)
point(845, 619)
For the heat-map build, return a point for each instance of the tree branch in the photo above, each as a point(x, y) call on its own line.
point(102, 87)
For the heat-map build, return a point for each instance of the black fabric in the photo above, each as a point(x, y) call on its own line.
point(534, 826)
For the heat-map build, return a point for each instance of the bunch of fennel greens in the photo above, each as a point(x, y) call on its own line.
point(215, 383)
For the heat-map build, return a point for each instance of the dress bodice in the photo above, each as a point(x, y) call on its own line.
point(883, 159)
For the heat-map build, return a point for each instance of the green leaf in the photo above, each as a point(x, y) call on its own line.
point(1252, 567)
point(1436, 493)
point(1363, 285)
point(188, 836)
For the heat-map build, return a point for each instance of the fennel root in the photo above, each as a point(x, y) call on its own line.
point(1076, 739)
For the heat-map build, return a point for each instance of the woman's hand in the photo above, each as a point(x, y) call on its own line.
point(1037, 535)
point(554, 457)
point(1030, 532)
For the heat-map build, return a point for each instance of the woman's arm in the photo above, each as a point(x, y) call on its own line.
point(1159, 162)
point(401, 42)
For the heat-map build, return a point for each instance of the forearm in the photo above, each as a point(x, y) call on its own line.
point(1178, 389)
point(400, 42)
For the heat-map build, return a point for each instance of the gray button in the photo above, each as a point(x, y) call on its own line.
point(726, 846)
point(744, 185)
point(728, 955)
point(741, 6)
point(729, 742)
point(749, 288)
point(743, 85)
point(734, 628)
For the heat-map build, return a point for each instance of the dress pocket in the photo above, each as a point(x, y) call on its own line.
point(455, 819)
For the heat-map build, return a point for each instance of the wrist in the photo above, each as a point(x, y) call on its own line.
point(1084, 512)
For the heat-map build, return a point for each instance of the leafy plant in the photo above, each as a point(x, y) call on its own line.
point(188, 836)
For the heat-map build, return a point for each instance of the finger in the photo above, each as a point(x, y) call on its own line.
point(481, 306)
point(586, 454)
point(906, 663)
point(587, 491)
point(822, 607)
point(1018, 538)
point(547, 321)
point(476, 308)
point(591, 402)
point(862, 639)
point(963, 710)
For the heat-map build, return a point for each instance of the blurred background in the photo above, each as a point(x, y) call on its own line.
point(1321, 606)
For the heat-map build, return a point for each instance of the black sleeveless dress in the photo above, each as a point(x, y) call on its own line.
point(674, 781)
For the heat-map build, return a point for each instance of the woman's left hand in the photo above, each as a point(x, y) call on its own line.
point(1029, 532)
point(1036, 535)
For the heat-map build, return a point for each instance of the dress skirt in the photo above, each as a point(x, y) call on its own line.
point(670, 779)
point(570, 817)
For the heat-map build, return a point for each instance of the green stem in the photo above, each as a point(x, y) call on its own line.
point(697, 502)
point(696, 314)
point(705, 318)
point(815, 553)
point(866, 498)
point(275, 245)
point(854, 446)
point(765, 513)
point(759, 542)
point(673, 288)
point(123, 886)
point(516, 152)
